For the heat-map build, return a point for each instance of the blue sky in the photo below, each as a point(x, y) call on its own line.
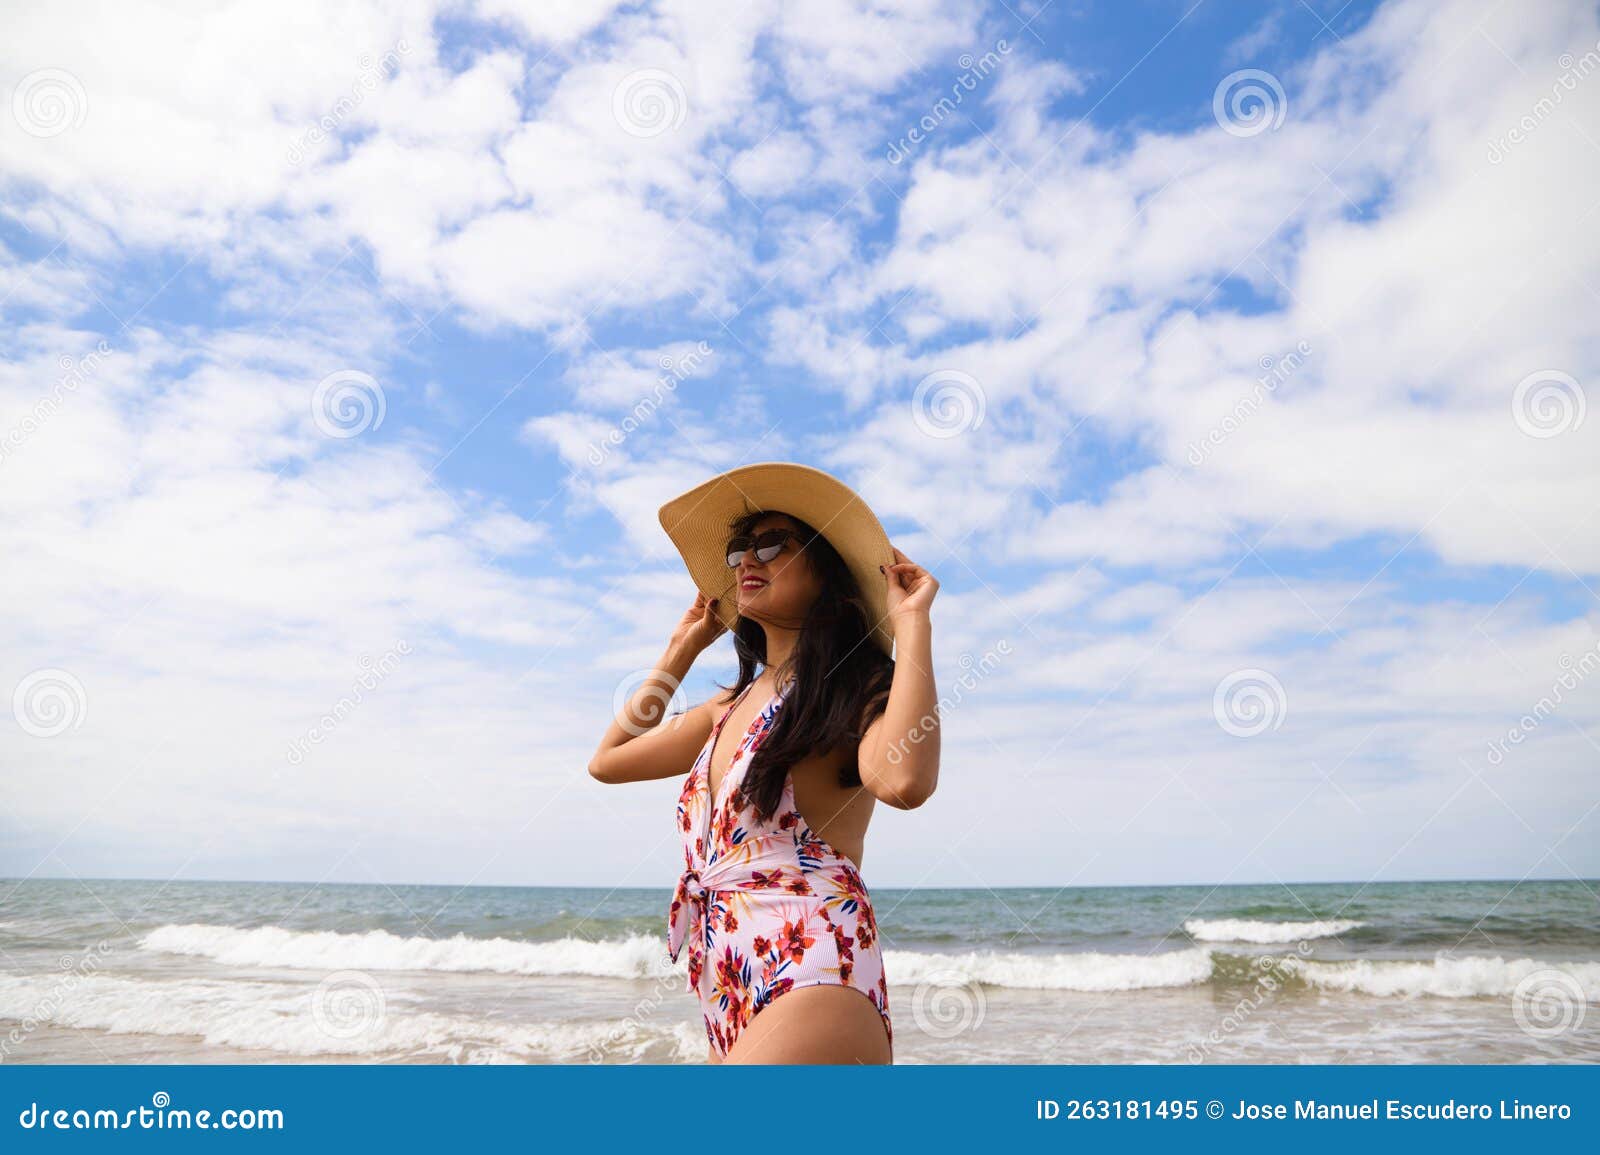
point(1352, 251)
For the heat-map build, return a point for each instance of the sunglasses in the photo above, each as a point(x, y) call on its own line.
point(767, 545)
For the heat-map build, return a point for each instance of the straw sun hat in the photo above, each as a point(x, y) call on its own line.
point(697, 522)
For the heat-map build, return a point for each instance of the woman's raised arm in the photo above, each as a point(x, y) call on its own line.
point(638, 745)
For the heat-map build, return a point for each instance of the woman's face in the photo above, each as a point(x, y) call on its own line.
point(779, 591)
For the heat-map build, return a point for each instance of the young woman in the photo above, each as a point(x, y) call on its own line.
point(820, 725)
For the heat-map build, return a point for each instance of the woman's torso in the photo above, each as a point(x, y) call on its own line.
point(838, 815)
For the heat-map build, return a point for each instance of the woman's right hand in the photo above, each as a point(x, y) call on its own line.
point(700, 626)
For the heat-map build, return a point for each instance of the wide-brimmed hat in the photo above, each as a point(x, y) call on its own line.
point(697, 522)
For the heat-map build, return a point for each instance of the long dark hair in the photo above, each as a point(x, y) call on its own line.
point(841, 677)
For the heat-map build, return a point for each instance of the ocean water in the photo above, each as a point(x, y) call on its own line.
point(1421, 972)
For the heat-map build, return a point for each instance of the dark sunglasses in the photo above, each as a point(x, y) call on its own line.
point(767, 545)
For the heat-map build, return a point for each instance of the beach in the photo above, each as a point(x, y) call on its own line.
point(117, 971)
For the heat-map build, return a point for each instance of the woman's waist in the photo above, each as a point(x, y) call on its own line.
point(789, 871)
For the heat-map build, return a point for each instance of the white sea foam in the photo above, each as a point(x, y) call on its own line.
point(1251, 930)
point(281, 1017)
point(635, 957)
point(1456, 978)
point(1088, 971)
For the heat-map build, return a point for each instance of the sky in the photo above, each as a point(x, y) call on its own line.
point(1229, 365)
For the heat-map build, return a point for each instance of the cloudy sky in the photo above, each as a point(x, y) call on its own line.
point(1229, 365)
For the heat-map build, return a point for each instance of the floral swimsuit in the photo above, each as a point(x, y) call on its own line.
point(765, 908)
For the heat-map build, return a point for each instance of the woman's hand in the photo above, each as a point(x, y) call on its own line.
point(699, 627)
point(911, 588)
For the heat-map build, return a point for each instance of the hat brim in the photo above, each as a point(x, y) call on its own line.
point(697, 522)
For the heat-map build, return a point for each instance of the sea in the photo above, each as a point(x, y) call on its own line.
point(128, 971)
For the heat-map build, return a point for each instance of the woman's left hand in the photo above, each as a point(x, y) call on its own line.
point(911, 588)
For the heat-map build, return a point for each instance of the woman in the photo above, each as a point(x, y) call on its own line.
point(823, 723)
